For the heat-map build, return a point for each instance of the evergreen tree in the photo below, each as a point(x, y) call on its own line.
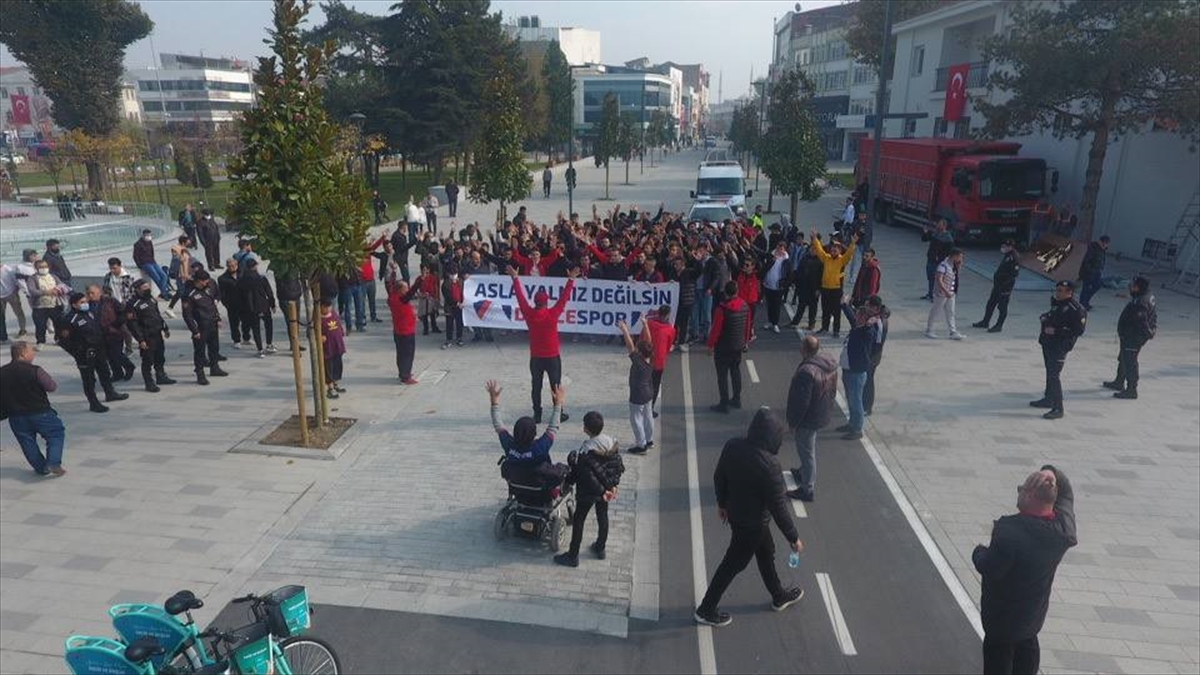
point(183, 170)
point(1103, 67)
point(793, 156)
point(290, 187)
point(499, 172)
point(75, 50)
point(627, 142)
point(560, 90)
point(608, 132)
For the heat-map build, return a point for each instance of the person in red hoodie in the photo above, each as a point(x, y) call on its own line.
point(867, 283)
point(725, 343)
point(404, 326)
point(662, 337)
point(536, 265)
point(542, 322)
point(749, 290)
point(452, 299)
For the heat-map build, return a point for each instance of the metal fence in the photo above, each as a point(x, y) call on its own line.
point(104, 228)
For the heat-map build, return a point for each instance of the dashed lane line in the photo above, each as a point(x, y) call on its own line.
point(752, 370)
point(797, 506)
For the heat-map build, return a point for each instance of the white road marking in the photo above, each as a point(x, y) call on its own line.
point(918, 527)
point(752, 370)
point(708, 655)
point(840, 630)
point(797, 505)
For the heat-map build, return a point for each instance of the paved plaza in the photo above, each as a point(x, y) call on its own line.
point(155, 501)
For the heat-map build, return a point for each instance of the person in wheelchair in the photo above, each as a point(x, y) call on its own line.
point(526, 455)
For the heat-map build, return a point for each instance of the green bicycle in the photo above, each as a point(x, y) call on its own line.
point(156, 641)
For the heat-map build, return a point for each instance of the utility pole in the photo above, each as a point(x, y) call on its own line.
point(885, 62)
point(762, 106)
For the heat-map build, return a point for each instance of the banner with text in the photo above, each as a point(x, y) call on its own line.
point(595, 305)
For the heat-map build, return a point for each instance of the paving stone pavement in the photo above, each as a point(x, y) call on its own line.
point(952, 421)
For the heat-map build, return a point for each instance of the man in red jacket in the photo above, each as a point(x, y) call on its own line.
point(662, 337)
point(867, 282)
point(725, 343)
point(542, 322)
point(404, 327)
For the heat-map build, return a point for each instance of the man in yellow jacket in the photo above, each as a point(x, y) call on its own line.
point(835, 261)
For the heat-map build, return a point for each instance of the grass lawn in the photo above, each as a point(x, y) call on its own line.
point(393, 190)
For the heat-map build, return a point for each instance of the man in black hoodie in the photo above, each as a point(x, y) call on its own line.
point(1018, 571)
point(750, 492)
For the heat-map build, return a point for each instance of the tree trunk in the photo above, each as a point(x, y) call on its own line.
point(795, 204)
point(627, 172)
point(316, 350)
point(293, 328)
point(403, 172)
point(95, 177)
point(1095, 166)
point(606, 180)
point(437, 170)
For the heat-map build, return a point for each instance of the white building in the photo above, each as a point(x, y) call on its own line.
point(194, 89)
point(1148, 178)
point(130, 105)
point(580, 45)
point(639, 94)
point(17, 81)
point(815, 43)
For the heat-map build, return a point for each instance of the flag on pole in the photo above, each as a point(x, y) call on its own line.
point(20, 109)
point(956, 92)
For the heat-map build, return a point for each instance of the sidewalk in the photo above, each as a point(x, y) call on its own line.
point(952, 422)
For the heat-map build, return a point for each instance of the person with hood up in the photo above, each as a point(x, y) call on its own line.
point(1003, 281)
point(596, 473)
point(750, 493)
point(1017, 570)
point(527, 455)
point(544, 347)
point(210, 238)
point(1137, 325)
point(809, 405)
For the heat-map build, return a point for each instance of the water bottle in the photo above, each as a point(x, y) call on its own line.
point(794, 560)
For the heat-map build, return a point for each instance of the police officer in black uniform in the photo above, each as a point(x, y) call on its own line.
point(1003, 282)
point(204, 321)
point(80, 334)
point(1137, 326)
point(148, 328)
point(1061, 326)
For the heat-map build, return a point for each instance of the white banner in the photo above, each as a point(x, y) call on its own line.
point(595, 305)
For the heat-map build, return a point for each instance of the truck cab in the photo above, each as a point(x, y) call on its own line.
point(722, 182)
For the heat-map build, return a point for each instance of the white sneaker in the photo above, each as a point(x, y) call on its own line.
point(683, 347)
point(957, 336)
point(931, 335)
point(774, 328)
point(262, 354)
point(271, 349)
point(237, 345)
point(169, 312)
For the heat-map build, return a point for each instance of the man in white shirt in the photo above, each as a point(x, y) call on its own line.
point(848, 214)
point(945, 290)
point(773, 285)
point(430, 204)
point(10, 295)
point(414, 216)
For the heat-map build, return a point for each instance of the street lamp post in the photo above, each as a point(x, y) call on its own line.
point(880, 103)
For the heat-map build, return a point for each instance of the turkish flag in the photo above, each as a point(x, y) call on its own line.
point(956, 92)
point(20, 109)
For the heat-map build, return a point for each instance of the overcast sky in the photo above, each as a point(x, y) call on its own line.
point(728, 37)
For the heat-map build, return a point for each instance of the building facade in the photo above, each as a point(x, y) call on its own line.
point(1148, 178)
point(191, 89)
point(21, 98)
point(580, 45)
point(814, 42)
point(696, 78)
point(639, 94)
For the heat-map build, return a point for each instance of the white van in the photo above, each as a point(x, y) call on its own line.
point(724, 182)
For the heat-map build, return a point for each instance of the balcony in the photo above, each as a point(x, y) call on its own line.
point(976, 77)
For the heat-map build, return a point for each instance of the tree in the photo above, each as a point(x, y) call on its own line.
point(560, 92)
point(53, 163)
point(291, 190)
point(1104, 67)
point(183, 170)
point(657, 132)
point(500, 172)
point(204, 179)
point(744, 128)
point(793, 156)
point(608, 132)
point(863, 35)
point(628, 142)
point(75, 50)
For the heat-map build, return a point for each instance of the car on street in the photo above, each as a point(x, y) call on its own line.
point(713, 212)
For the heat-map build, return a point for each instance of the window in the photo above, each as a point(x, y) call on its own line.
point(939, 127)
point(910, 128)
point(862, 106)
point(803, 57)
point(3, 92)
point(863, 74)
point(918, 61)
point(1062, 124)
point(962, 128)
point(20, 91)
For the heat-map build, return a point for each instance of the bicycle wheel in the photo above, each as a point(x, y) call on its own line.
point(310, 656)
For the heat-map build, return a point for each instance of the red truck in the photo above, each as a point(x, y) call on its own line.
point(982, 188)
